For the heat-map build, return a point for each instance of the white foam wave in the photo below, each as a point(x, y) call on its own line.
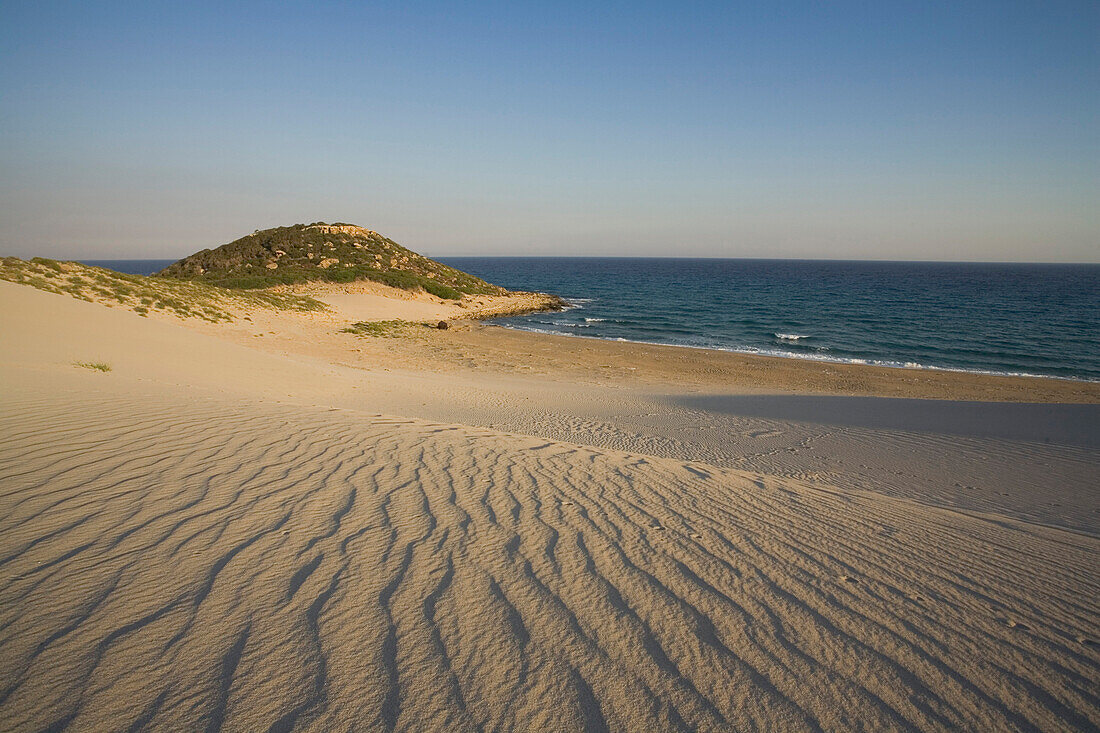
point(791, 336)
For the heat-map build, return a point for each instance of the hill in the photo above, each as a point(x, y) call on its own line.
point(324, 252)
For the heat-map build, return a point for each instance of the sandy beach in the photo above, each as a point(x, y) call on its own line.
point(277, 523)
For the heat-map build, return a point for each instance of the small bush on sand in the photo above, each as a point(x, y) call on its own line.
point(97, 366)
point(384, 329)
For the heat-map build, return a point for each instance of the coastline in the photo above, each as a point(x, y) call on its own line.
point(312, 317)
point(975, 318)
point(777, 354)
point(728, 371)
point(517, 303)
point(503, 348)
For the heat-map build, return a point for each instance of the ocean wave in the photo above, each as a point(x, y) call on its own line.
point(791, 336)
point(594, 320)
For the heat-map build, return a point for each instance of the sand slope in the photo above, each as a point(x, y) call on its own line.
point(179, 551)
point(203, 563)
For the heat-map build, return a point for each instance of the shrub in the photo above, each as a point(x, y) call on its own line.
point(385, 329)
point(97, 366)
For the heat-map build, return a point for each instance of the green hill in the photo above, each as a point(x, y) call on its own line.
point(323, 252)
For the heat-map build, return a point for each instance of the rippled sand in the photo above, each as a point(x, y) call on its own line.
point(201, 564)
point(182, 559)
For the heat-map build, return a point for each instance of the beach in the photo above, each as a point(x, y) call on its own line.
point(288, 523)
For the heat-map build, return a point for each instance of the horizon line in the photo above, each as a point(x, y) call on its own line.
point(657, 257)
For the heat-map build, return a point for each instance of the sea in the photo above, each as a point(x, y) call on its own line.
point(1017, 319)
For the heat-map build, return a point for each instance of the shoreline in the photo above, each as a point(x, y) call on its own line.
point(795, 357)
point(312, 320)
point(669, 366)
point(430, 310)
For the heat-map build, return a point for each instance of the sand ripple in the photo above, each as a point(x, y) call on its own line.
point(207, 564)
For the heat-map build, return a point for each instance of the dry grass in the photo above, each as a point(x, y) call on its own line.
point(143, 294)
point(386, 329)
point(97, 366)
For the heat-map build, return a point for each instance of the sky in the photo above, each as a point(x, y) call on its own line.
point(842, 130)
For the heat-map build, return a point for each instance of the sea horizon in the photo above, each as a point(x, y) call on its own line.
point(100, 262)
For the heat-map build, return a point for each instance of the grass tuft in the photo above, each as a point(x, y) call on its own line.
point(382, 329)
point(97, 366)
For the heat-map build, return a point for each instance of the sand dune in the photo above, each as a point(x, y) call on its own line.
point(212, 537)
point(203, 563)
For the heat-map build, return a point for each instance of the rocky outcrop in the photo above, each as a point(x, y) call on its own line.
point(516, 304)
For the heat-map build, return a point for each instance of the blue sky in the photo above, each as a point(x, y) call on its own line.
point(791, 129)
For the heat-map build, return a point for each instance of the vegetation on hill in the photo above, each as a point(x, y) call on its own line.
point(146, 294)
point(323, 252)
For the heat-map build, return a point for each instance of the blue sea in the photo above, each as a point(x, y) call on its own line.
point(131, 267)
point(1001, 318)
point(1032, 319)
